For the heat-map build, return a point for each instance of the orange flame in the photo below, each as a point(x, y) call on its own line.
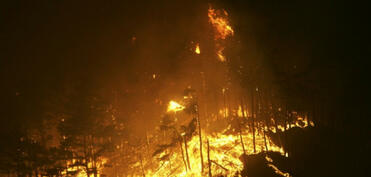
point(220, 24)
point(220, 55)
point(197, 50)
point(81, 171)
point(225, 150)
point(219, 21)
point(174, 107)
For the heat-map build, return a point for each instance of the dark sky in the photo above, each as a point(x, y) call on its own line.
point(45, 44)
point(49, 45)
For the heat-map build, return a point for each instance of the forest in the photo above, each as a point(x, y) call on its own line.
point(184, 88)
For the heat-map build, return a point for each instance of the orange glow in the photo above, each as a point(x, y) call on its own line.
point(224, 112)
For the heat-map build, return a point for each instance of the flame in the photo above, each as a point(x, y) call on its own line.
point(220, 55)
point(174, 107)
point(241, 113)
point(220, 23)
point(299, 122)
point(225, 151)
point(223, 147)
point(197, 50)
point(224, 112)
point(81, 171)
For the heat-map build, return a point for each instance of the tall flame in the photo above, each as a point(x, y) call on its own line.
point(219, 20)
point(220, 23)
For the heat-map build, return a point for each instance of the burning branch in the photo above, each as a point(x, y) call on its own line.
point(174, 107)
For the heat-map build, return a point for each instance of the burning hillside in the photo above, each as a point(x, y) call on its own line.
point(179, 89)
point(194, 140)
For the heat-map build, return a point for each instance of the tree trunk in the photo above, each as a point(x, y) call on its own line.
point(208, 157)
point(265, 141)
point(225, 105)
point(200, 138)
point(94, 157)
point(264, 117)
point(86, 158)
point(141, 165)
point(276, 124)
point(242, 144)
point(184, 161)
point(253, 118)
point(186, 150)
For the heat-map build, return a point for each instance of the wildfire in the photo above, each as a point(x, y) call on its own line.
point(197, 50)
point(221, 149)
point(224, 150)
point(174, 107)
point(220, 23)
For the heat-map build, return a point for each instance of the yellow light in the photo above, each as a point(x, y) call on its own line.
point(174, 107)
point(197, 50)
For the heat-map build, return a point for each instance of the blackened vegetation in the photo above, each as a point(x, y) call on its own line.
point(256, 165)
point(313, 151)
point(318, 61)
point(73, 139)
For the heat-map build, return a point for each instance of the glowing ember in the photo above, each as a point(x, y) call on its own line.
point(174, 107)
point(278, 171)
point(197, 50)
